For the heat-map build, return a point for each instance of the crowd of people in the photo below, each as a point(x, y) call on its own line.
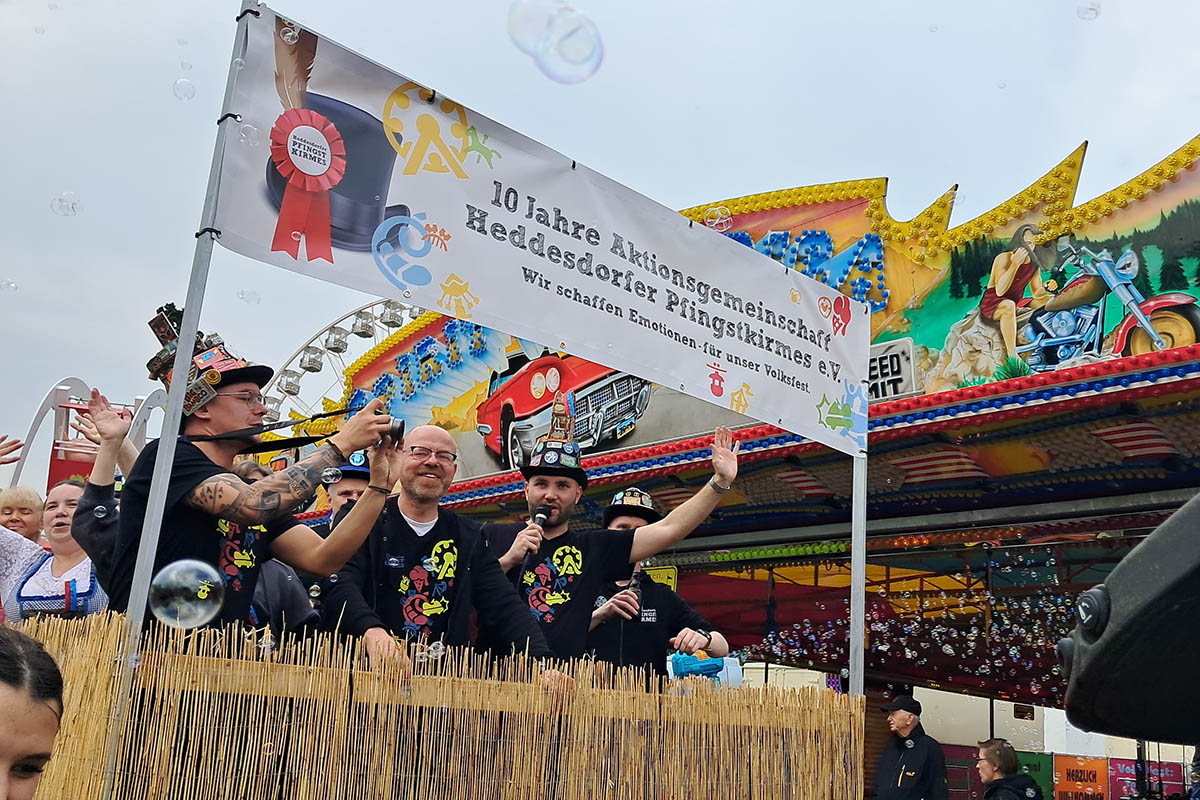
point(392, 566)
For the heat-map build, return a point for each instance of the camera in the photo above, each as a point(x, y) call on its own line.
point(396, 429)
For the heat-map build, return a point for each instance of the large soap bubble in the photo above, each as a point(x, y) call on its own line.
point(570, 50)
point(186, 594)
point(528, 20)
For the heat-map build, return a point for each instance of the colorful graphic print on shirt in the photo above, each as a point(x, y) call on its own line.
point(239, 552)
point(426, 587)
point(546, 585)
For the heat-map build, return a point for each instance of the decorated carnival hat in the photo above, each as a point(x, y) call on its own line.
point(356, 466)
point(557, 453)
point(631, 502)
point(212, 363)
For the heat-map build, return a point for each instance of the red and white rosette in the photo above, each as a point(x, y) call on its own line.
point(309, 153)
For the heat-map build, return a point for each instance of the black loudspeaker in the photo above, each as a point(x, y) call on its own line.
point(1133, 659)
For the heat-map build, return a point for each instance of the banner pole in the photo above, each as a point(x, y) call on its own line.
point(156, 502)
point(858, 573)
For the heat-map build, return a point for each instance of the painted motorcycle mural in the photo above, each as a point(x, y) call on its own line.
point(1071, 324)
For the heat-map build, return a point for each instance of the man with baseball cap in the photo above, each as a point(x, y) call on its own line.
point(559, 572)
point(213, 515)
point(350, 485)
point(346, 485)
point(636, 621)
point(912, 766)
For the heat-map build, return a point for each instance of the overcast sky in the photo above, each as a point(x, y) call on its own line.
point(695, 101)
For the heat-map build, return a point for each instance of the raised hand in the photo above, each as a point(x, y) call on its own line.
point(364, 429)
point(7, 450)
point(724, 457)
point(112, 424)
point(385, 460)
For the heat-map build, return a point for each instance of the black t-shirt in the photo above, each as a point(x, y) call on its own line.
point(419, 575)
point(564, 578)
point(235, 550)
point(645, 640)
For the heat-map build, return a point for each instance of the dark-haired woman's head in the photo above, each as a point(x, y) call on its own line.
point(31, 690)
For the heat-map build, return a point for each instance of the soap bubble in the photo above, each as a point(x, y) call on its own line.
point(331, 475)
point(181, 42)
point(39, 30)
point(100, 512)
point(238, 63)
point(1088, 11)
point(718, 218)
point(571, 49)
point(7, 285)
point(249, 135)
point(184, 89)
point(249, 297)
point(528, 21)
point(52, 6)
point(185, 65)
point(65, 205)
point(436, 650)
point(1001, 85)
point(186, 594)
point(933, 28)
point(289, 35)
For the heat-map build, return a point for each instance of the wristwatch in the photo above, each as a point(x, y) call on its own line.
point(708, 640)
point(716, 487)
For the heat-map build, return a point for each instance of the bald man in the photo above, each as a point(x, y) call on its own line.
point(424, 569)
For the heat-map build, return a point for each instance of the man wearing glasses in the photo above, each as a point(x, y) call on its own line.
point(214, 516)
point(424, 569)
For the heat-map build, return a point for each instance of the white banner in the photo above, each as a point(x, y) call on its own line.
point(349, 173)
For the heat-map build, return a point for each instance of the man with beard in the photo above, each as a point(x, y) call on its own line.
point(214, 516)
point(568, 569)
point(423, 569)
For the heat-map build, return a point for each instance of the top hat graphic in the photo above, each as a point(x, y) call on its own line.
point(358, 203)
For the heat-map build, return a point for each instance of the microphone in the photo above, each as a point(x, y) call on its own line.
point(540, 515)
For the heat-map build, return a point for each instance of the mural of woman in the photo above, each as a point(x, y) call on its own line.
point(1016, 269)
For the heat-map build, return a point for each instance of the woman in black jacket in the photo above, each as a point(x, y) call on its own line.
point(1001, 773)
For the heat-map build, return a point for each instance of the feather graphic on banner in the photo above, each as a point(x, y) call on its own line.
point(295, 50)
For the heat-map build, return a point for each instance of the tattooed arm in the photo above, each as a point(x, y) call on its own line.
point(302, 548)
point(229, 497)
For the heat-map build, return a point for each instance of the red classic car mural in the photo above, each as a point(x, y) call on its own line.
point(493, 393)
point(517, 409)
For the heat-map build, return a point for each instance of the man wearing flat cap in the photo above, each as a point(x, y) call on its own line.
point(912, 766)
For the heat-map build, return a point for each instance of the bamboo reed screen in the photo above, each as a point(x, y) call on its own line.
point(225, 714)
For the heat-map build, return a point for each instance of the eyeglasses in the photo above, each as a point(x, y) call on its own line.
point(423, 454)
point(248, 397)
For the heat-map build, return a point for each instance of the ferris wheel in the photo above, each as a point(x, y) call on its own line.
point(316, 371)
